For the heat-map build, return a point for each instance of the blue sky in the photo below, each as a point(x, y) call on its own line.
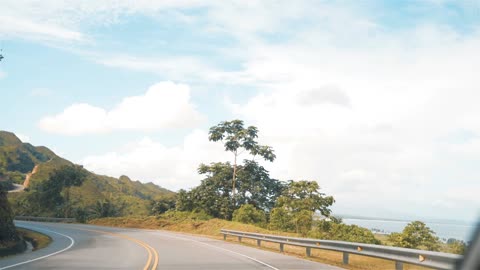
point(373, 99)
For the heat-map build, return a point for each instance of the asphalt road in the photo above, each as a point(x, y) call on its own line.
point(77, 246)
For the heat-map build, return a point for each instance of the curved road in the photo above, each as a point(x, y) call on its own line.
point(78, 246)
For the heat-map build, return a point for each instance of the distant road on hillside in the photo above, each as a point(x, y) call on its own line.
point(17, 188)
point(26, 182)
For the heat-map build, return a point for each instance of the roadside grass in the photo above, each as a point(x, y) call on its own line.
point(38, 240)
point(188, 223)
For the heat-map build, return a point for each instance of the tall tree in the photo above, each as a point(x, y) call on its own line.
point(238, 139)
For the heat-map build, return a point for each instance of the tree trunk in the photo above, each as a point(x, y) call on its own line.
point(234, 177)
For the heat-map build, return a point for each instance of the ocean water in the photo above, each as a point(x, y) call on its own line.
point(443, 230)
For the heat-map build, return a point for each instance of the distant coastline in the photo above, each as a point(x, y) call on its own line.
point(444, 229)
point(438, 221)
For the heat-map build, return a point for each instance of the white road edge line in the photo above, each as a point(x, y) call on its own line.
point(45, 256)
point(224, 249)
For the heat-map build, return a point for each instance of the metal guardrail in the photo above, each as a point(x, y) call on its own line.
point(45, 219)
point(431, 259)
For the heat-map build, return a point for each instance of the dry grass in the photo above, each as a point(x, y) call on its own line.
point(211, 228)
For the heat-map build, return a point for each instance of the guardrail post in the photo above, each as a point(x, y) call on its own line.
point(345, 257)
point(399, 256)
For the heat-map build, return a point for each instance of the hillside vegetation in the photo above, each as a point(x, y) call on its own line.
point(10, 242)
point(96, 195)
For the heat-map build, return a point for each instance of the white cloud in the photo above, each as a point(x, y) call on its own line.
point(11, 26)
point(62, 21)
point(175, 68)
point(77, 119)
point(164, 105)
point(374, 135)
point(3, 74)
point(171, 167)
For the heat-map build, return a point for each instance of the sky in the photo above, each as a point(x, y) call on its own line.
point(375, 100)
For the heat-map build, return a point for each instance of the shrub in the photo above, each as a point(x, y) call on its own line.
point(248, 214)
point(416, 235)
point(330, 230)
point(185, 215)
point(280, 220)
point(456, 246)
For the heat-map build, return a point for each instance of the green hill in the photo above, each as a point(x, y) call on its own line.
point(98, 195)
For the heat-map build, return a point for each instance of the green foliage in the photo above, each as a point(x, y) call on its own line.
point(235, 138)
point(176, 216)
point(22, 162)
point(295, 207)
point(16, 156)
point(81, 214)
point(456, 246)
point(8, 139)
point(213, 194)
point(184, 201)
point(12, 177)
point(416, 235)
point(49, 192)
point(336, 230)
point(305, 195)
point(162, 205)
point(128, 197)
point(5, 181)
point(106, 208)
point(248, 214)
point(61, 194)
point(5, 185)
point(284, 219)
point(254, 186)
point(7, 228)
point(280, 219)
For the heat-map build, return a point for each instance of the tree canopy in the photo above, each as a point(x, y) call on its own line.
point(238, 138)
point(54, 192)
point(305, 195)
point(296, 206)
point(416, 235)
point(255, 187)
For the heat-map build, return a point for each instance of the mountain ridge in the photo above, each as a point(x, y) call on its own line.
point(127, 196)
